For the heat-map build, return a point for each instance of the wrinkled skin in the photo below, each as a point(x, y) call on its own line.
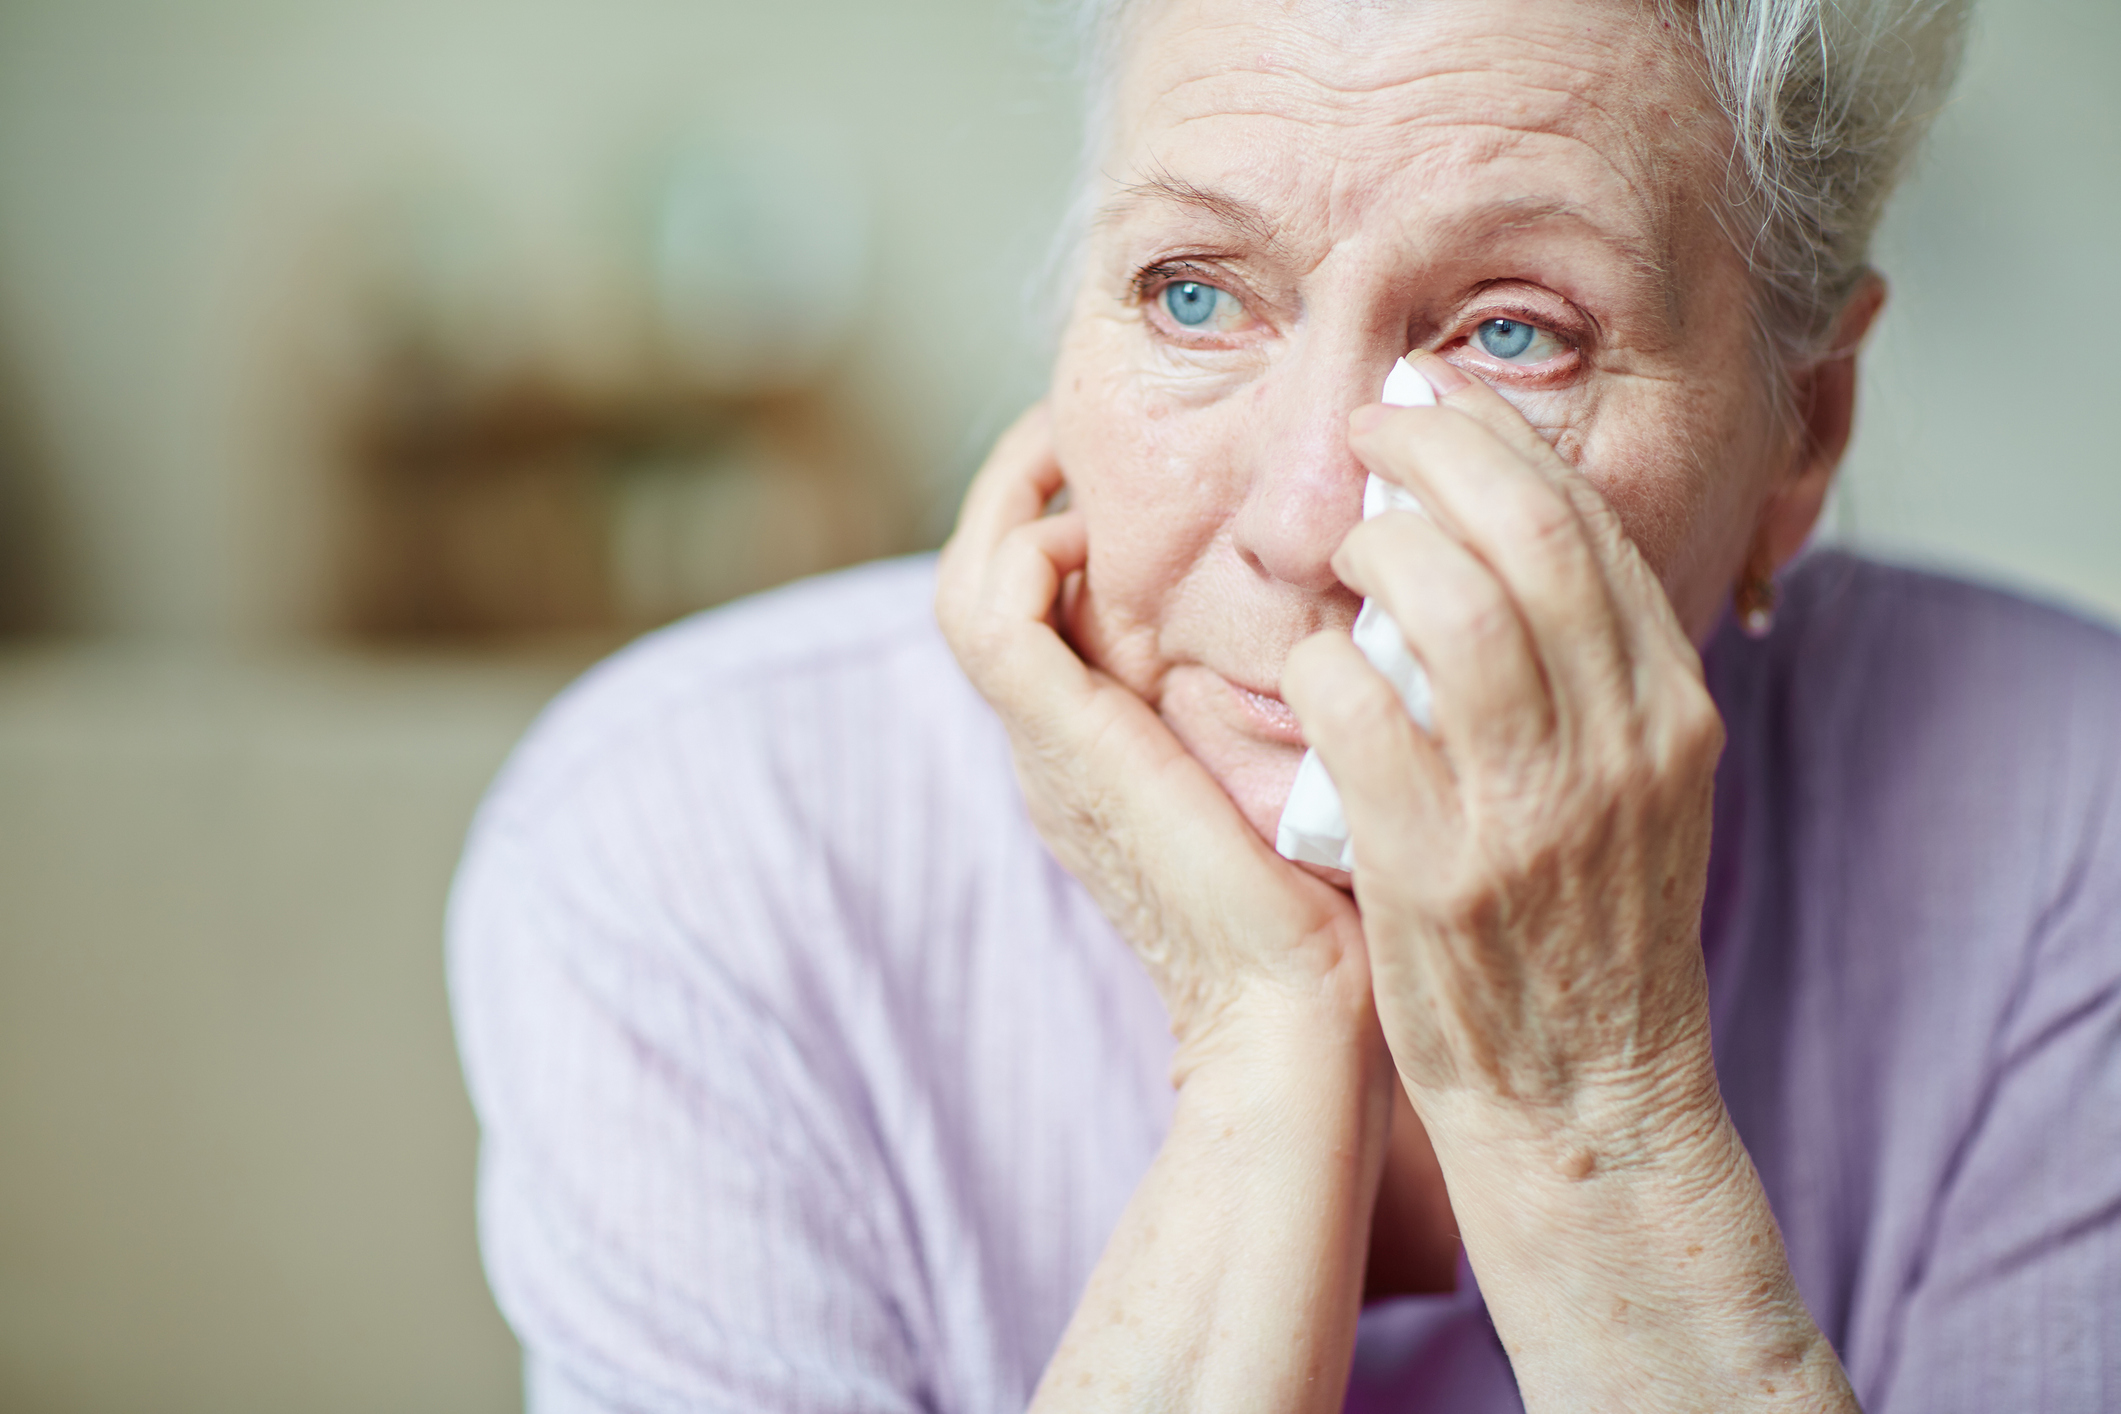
point(1349, 182)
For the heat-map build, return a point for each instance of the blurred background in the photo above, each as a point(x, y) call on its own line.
point(367, 367)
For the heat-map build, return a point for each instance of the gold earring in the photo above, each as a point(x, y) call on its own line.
point(1755, 604)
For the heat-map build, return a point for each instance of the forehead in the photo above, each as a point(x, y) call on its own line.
point(1327, 118)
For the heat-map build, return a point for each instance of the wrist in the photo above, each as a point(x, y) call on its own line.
point(1540, 1189)
point(1651, 1245)
point(1289, 1065)
point(1671, 1120)
point(1262, 1022)
point(1234, 1280)
point(1623, 1165)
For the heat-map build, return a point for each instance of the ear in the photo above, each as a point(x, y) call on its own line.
point(1825, 398)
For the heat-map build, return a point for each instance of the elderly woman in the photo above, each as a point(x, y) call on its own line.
point(866, 1017)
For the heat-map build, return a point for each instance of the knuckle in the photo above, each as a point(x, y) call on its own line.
point(1538, 517)
point(1475, 608)
point(954, 618)
point(1400, 437)
point(1623, 784)
point(1309, 667)
point(982, 643)
point(1593, 508)
point(1466, 906)
point(1364, 708)
point(1359, 548)
point(1693, 725)
point(1397, 537)
point(1016, 543)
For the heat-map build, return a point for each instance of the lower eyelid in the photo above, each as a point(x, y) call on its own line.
point(1562, 363)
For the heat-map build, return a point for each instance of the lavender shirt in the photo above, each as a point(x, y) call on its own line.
point(810, 1082)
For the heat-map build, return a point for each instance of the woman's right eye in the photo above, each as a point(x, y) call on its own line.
point(1197, 306)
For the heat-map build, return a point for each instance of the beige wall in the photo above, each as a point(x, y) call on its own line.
point(1988, 439)
point(235, 1155)
point(236, 1159)
point(180, 182)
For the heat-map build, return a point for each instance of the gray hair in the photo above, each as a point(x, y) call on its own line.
point(1828, 100)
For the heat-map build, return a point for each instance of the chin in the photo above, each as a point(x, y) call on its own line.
point(1246, 738)
point(1261, 787)
point(1255, 771)
point(1257, 778)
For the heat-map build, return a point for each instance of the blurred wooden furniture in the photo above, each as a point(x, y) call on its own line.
point(526, 508)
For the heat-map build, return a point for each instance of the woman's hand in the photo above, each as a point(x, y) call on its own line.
point(1531, 879)
point(1531, 876)
point(1221, 922)
point(1233, 1281)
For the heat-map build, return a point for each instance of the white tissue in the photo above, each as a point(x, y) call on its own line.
point(1313, 828)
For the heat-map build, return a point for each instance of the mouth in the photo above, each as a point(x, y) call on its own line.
point(1269, 715)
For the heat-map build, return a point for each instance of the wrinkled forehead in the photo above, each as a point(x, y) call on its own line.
point(1328, 118)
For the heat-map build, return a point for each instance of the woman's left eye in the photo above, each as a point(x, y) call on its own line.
point(1197, 306)
point(1514, 341)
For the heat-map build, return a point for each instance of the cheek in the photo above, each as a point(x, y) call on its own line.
point(1145, 475)
point(1680, 463)
point(1658, 492)
point(1638, 440)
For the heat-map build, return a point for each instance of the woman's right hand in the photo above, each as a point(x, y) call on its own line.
point(1222, 923)
point(1233, 1281)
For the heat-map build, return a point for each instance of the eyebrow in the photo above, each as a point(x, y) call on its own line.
point(1234, 212)
point(1250, 221)
point(1648, 269)
point(1522, 213)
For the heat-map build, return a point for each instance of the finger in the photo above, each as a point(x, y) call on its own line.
point(1647, 618)
point(1006, 639)
point(1013, 486)
point(1492, 699)
point(1455, 388)
point(1395, 787)
point(1030, 564)
point(1515, 518)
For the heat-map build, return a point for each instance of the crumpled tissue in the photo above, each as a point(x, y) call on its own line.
point(1314, 829)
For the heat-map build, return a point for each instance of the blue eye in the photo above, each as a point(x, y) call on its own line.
point(1512, 339)
point(1192, 303)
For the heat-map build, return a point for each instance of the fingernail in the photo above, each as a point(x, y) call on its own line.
point(1367, 417)
point(1442, 375)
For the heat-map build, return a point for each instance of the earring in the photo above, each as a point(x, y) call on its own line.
point(1755, 605)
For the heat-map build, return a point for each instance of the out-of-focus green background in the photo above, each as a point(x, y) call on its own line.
point(367, 366)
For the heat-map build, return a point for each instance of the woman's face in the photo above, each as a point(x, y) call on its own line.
point(1298, 193)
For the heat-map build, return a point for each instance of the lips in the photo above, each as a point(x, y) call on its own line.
point(1274, 721)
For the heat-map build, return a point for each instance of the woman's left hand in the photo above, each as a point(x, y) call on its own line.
point(1531, 877)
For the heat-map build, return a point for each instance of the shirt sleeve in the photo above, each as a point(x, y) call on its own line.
point(683, 1206)
point(2018, 1303)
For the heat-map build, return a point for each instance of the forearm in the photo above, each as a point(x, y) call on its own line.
point(1635, 1266)
point(1234, 1279)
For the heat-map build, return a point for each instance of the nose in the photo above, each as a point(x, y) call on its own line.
point(1304, 489)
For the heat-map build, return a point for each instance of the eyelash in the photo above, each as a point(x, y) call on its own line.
point(1150, 280)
